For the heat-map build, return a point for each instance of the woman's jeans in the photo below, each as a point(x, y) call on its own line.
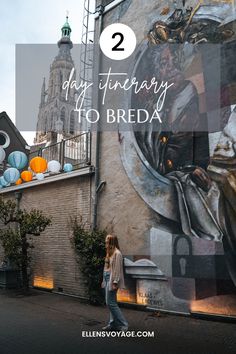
point(117, 319)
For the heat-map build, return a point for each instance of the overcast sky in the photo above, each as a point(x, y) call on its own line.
point(31, 21)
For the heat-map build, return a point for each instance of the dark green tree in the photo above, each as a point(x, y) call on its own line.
point(90, 247)
point(19, 225)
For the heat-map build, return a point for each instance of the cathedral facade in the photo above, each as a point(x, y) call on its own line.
point(56, 118)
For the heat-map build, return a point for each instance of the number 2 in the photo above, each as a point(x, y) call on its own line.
point(116, 47)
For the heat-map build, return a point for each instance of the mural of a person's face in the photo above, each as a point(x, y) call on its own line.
point(170, 69)
point(181, 60)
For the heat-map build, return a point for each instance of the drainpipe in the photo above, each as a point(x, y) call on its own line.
point(18, 196)
point(100, 11)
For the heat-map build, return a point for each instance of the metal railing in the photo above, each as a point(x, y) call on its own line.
point(75, 150)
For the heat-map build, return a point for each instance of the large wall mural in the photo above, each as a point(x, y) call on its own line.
point(185, 169)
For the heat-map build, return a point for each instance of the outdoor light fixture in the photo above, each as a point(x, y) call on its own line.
point(43, 282)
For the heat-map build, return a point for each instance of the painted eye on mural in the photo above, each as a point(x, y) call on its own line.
point(4, 139)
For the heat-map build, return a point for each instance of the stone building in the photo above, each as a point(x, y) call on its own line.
point(63, 195)
point(56, 111)
point(10, 138)
point(165, 268)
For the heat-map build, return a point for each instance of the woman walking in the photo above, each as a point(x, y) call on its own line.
point(113, 279)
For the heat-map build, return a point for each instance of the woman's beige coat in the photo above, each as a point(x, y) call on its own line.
point(116, 269)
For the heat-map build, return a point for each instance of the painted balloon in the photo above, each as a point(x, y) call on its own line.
point(68, 167)
point(3, 182)
point(54, 166)
point(2, 154)
point(40, 176)
point(19, 181)
point(17, 159)
point(11, 175)
point(27, 176)
point(38, 164)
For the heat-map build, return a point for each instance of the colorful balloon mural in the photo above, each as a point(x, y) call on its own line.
point(11, 175)
point(17, 159)
point(2, 154)
point(26, 176)
point(3, 182)
point(40, 176)
point(68, 167)
point(19, 181)
point(54, 166)
point(38, 164)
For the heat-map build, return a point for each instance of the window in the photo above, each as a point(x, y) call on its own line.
point(63, 119)
point(72, 122)
point(4, 139)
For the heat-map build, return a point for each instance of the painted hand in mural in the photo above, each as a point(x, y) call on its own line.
point(201, 178)
point(179, 150)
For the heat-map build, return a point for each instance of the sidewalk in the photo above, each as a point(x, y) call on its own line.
point(46, 323)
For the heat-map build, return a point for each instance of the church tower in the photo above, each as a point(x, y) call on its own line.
point(56, 116)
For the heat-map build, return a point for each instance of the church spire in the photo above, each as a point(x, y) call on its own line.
point(65, 35)
point(66, 30)
point(55, 111)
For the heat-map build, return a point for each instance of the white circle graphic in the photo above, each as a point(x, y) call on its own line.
point(118, 41)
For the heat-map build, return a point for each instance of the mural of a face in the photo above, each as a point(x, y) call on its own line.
point(173, 162)
point(169, 67)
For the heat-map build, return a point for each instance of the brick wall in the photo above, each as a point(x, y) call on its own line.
point(53, 258)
